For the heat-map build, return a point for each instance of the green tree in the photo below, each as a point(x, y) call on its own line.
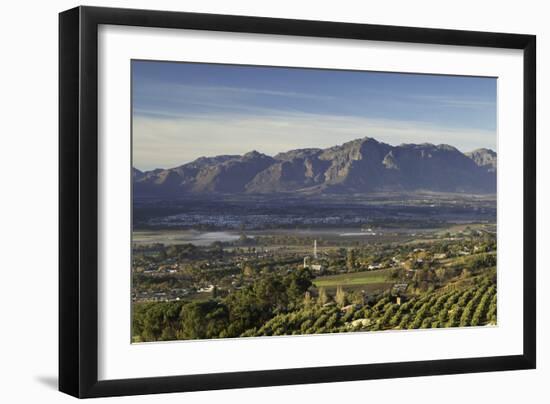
point(323, 296)
point(307, 299)
point(203, 320)
point(350, 259)
point(341, 298)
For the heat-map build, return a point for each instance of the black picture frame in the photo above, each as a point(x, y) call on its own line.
point(78, 201)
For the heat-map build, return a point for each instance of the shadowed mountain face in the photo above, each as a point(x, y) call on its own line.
point(360, 166)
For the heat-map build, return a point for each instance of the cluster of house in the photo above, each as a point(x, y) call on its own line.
point(249, 221)
point(169, 295)
point(174, 294)
point(157, 269)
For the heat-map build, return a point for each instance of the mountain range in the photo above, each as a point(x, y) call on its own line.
point(360, 166)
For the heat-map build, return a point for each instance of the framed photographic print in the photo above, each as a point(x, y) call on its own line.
point(251, 201)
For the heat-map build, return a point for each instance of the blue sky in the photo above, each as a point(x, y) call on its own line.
point(182, 111)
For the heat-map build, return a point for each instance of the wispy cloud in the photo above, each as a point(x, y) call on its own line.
point(181, 100)
point(167, 92)
point(158, 99)
point(220, 91)
point(455, 101)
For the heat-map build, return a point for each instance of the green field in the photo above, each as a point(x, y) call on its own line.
point(353, 279)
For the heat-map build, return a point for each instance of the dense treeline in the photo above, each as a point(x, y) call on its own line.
point(227, 317)
point(275, 305)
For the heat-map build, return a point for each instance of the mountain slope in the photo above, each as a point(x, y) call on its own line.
point(485, 158)
point(359, 166)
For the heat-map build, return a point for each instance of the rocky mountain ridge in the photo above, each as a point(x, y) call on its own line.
point(359, 166)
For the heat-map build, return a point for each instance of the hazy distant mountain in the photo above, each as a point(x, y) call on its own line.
point(360, 166)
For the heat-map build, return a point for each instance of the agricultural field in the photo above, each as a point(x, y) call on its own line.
point(353, 279)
